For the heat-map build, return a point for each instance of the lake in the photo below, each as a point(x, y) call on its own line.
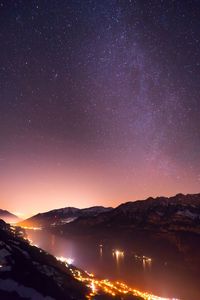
point(165, 275)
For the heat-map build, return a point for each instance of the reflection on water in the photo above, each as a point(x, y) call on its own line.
point(101, 250)
point(166, 278)
point(118, 256)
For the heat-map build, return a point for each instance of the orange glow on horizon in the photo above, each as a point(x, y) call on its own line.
point(29, 189)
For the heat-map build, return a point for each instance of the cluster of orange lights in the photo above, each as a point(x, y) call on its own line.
point(32, 228)
point(98, 286)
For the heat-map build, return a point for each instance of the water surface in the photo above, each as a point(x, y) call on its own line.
point(165, 274)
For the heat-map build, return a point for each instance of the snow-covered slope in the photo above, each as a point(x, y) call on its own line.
point(62, 216)
point(27, 272)
point(181, 212)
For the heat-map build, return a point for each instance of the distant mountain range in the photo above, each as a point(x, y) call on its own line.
point(161, 227)
point(180, 212)
point(170, 226)
point(62, 216)
point(8, 217)
point(177, 213)
point(165, 229)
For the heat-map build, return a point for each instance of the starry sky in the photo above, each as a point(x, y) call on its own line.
point(99, 102)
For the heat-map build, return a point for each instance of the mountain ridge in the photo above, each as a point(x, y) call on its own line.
point(145, 213)
point(61, 216)
point(179, 212)
point(8, 216)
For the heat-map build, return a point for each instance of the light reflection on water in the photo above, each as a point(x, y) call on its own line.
point(120, 263)
point(101, 250)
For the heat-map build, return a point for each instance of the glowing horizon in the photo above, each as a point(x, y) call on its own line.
point(30, 189)
point(95, 107)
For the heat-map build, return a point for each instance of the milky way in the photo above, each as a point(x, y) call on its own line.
point(100, 97)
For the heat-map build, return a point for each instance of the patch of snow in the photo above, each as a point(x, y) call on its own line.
point(160, 213)
point(8, 247)
point(68, 220)
point(15, 242)
point(10, 285)
point(187, 213)
point(47, 270)
point(25, 253)
point(64, 221)
point(5, 268)
point(4, 253)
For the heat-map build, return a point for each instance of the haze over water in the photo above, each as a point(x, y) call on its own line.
point(167, 277)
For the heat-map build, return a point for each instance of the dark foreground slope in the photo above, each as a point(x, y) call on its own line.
point(27, 272)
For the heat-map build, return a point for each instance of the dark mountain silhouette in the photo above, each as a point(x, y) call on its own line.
point(177, 213)
point(62, 216)
point(161, 227)
point(8, 217)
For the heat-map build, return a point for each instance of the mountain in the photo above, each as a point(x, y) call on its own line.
point(8, 217)
point(177, 213)
point(62, 216)
point(27, 272)
point(164, 228)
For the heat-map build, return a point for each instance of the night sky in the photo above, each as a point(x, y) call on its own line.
point(99, 102)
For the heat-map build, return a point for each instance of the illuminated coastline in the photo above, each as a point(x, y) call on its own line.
point(106, 286)
point(31, 228)
point(98, 286)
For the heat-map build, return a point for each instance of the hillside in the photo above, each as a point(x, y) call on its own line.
point(177, 213)
point(168, 228)
point(62, 216)
point(27, 272)
point(8, 217)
